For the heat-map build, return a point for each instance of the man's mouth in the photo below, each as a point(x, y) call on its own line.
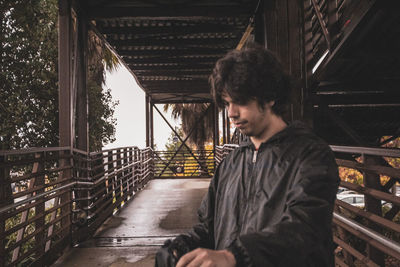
point(239, 124)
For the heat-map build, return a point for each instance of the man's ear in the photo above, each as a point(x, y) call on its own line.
point(270, 104)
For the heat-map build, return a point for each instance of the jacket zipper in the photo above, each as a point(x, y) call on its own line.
point(255, 156)
point(254, 160)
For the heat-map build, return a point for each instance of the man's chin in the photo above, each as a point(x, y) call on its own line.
point(243, 131)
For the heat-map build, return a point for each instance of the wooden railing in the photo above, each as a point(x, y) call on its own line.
point(54, 197)
point(368, 235)
point(183, 164)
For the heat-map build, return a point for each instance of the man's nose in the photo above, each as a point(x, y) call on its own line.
point(233, 111)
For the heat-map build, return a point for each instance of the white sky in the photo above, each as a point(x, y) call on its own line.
point(130, 113)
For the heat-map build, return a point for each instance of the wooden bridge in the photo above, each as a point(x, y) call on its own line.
point(344, 55)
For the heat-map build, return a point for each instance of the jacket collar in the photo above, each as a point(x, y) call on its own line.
point(292, 128)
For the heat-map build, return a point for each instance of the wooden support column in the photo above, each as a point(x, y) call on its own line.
point(259, 26)
point(6, 198)
point(228, 128)
point(151, 122)
point(64, 74)
point(82, 110)
point(147, 110)
point(283, 36)
point(216, 125)
point(65, 99)
point(223, 126)
point(306, 60)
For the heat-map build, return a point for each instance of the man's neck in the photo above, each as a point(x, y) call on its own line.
point(277, 124)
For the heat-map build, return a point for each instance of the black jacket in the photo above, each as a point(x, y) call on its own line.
point(272, 207)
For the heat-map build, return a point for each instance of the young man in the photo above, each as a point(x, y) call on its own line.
point(270, 202)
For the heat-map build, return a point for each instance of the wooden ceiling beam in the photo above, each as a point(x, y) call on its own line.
point(194, 83)
point(191, 12)
point(181, 100)
point(195, 42)
point(171, 72)
point(177, 30)
point(178, 90)
point(174, 52)
point(199, 67)
point(177, 59)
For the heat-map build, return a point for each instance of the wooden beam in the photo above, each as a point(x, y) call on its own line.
point(65, 102)
point(181, 100)
point(224, 126)
point(151, 124)
point(82, 109)
point(174, 73)
point(353, 30)
point(170, 66)
point(191, 12)
point(205, 42)
point(372, 180)
point(178, 90)
point(64, 74)
point(205, 59)
point(321, 21)
point(216, 126)
point(174, 52)
point(175, 30)
point(147, 115)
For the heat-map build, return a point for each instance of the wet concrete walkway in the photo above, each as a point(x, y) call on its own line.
point(164, 209)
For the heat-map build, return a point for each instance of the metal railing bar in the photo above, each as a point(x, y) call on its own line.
point(32, 205)
point(370, 216)
point(29, 236)
point(47, 159)
point(35, 218)
point(117, 148)
point(389, 171)
point(372, 192)
point(36, 174)
point(14, 205)
point(369, 233)
point(32, 190)
point(33, 150)
point(354, 252)
point(384, 152)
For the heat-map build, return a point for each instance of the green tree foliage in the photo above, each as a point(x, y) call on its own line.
point(29, 79)
point(101, 117)
point(28, 76)
point(174, 142)
point(197, 120)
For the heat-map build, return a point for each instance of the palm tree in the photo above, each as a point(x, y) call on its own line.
point(100, 59)
point(197, 120)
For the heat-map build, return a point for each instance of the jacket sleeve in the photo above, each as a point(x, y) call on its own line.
point(202, 233)
point(304, 229)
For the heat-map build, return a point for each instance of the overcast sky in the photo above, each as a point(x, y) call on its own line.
point(130, 113)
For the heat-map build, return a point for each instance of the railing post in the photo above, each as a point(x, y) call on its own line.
point(118, 186)
point(5, 199)
point(39, 210)
point(131, 170)
point(372, 180)
point(111, 178)
point(136, 169)
point(125, 183)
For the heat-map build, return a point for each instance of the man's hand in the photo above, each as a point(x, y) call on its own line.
point(206, 257)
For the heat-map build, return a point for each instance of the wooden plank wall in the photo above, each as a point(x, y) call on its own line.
point(282, 33)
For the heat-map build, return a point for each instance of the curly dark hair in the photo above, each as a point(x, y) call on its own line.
point(251, 73)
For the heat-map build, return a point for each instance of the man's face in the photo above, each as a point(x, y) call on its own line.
point(250, 118)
